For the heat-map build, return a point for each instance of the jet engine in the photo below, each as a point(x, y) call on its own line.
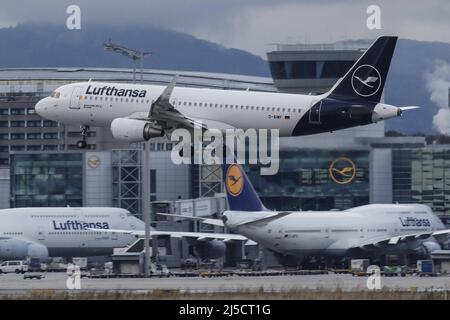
point(427, 247)
point(16, 249)
point(133, 130)
point(212, 249)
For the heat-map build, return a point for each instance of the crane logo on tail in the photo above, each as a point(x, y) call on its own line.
point(234, 180)
point(366, 80)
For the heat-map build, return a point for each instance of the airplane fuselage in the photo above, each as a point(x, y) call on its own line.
point(98, 104)
point(333, 233)
point(64, 231)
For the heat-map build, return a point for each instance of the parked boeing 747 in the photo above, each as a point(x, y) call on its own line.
point(86, 231)
point(372, 230)
point(140, 112)
point(63, 232)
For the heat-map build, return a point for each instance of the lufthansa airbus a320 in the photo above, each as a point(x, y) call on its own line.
point(140, 112)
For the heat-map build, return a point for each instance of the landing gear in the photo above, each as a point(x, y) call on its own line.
point(82, 144)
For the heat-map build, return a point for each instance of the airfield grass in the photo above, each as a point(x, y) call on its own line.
point(240, 295)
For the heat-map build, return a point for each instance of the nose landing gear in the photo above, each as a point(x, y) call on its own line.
point(82, 144)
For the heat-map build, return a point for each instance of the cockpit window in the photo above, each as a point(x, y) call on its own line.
point(55, 94)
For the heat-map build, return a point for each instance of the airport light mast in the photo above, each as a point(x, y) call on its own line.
point(136, 55)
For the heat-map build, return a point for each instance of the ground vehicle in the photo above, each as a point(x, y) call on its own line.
point(31, 276)
point(157, 270)
point(189, 263)
point(34, 265)
point(393, 271)
point(359, 265)
point(17, 266)
point(426, 268)
point(80, 262)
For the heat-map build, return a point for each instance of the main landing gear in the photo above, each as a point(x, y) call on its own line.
point(82, 144)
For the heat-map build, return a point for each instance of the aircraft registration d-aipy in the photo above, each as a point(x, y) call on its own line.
point(140, 112)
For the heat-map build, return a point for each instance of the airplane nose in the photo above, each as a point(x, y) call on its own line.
point(41, 107)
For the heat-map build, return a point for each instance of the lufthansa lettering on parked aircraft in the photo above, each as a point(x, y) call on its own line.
point(78, 225)
point(113, 91)
point(414, 222)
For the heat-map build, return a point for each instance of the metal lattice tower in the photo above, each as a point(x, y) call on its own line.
point(210, 181)
point(127, 174)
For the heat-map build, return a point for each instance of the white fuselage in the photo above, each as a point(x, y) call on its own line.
point(82, 103)
point(334, 232)
point(64, 231)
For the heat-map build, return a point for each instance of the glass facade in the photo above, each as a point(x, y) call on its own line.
point(309, 69)
point(315, 180)
point(46, 180)
point(422, 176)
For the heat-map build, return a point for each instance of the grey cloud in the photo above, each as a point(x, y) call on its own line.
point(250, 24)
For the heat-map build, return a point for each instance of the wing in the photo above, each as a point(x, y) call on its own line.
point(181, 234)
point(164, 114)
point(214, 222)
point(440, 236)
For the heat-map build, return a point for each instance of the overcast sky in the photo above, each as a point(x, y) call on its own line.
point(252, 25)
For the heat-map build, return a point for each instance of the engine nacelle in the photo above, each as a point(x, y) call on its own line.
point(427, 247)
point(37, 250)
point(133, 130)
point(16, 249)
point(212, 249)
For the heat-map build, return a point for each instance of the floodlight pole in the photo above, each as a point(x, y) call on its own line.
point(146, 204)
point(141, 60)
point(130, 53)
point(145, 152)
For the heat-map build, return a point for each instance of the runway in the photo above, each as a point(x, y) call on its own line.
point(330, 282)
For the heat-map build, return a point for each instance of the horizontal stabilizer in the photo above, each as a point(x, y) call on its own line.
point(409, 108)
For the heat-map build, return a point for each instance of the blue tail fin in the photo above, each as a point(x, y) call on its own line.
point(366, 78)
point(240, 192)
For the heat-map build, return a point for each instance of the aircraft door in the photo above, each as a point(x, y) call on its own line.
point(75, 101)
point(41, 233)
point(314, 113)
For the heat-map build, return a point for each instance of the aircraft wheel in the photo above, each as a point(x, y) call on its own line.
point(81, 144)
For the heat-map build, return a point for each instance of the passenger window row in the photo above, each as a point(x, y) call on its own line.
point(116, 99)
point(200, 104)
point(232, 106)
point(75, 232)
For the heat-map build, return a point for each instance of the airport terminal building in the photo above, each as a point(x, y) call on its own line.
point(41, 166)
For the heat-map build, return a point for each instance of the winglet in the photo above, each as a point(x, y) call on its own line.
point(165, 95)
point(168, 90)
